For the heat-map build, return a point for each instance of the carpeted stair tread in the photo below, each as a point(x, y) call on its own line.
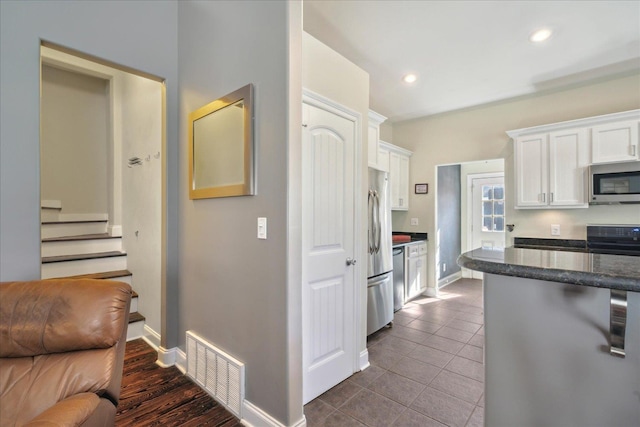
point(81, 237)
point(79, 257)
point(136, 317)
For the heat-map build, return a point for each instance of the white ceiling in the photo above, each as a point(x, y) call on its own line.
point(468, 53)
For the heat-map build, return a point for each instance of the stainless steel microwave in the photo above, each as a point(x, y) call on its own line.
point(614, 183)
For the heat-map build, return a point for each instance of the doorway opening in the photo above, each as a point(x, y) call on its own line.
point(463, 222)
point(102, 179)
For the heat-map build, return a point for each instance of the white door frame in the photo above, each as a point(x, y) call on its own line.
point(311, 98)
point(74, 63)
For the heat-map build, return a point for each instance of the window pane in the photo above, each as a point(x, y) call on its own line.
point(498, 192)
point(498, 208)
point(487, 192)
point(487, 223)
point(487, 208)
point(498, 223)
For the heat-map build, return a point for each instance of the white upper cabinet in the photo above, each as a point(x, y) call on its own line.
point(383, 159)
point(568, 162)
point(551, 169)
point(531, 171)
point(375, 120)
point(551, 161)
point(395, 160)
point(615, 142)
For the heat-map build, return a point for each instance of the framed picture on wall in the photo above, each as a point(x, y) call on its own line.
point(422, 188)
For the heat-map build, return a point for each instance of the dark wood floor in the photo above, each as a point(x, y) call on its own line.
point(153, 396)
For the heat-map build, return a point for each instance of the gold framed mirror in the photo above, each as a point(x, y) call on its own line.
point(221, 147)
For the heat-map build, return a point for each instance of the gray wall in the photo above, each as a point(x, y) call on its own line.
point(75, 120)
point(145, 38)
point(547, 358)
point(233, 287)
point(449, 218)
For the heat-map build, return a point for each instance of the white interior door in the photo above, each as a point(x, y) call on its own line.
point(487, 208)
point(328, 232)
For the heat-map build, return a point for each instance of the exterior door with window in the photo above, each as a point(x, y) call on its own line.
point(488, 222)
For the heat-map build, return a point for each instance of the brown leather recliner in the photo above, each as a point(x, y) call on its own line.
point(62, 351)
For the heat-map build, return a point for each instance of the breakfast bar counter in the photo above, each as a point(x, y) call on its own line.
point(562, 337)
point(578, 268)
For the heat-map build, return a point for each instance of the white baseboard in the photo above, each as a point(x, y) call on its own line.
point(166, 357)
point(364, 359)
point(181, 360)
point(51, 204)
point(115, 230)
point(252, 416)
point(431, 292)
point(151, 337)
point(449, 279)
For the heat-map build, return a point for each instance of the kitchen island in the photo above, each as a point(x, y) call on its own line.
point(553, 354)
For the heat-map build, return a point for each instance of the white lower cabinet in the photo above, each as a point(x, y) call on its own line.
point(415, 270)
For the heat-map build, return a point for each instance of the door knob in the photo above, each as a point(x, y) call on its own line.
point(351, 261)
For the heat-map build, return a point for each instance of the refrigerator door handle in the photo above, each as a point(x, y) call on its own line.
point(378, 282)
point(371, 235)
point(379, 225)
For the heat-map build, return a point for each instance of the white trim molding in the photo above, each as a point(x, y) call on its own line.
point(181, 360)
point(252, 416)
point(364, 359)
point(115, 230)
point(585, 122)
point(151, 337)
point(449, 279)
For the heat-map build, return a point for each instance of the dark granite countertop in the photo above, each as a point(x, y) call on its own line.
point(579, 268)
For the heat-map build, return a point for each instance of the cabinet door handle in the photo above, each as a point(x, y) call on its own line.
point(633, 150)
point(550, 197)
point(544, 198)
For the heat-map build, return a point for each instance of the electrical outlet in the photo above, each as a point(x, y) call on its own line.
point(555, 229)
point(414, 221)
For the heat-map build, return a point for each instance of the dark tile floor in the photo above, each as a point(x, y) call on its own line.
point(427, 370)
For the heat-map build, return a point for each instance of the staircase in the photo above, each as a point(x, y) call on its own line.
point(78, 246)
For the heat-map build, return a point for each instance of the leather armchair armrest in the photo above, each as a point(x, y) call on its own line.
point(70, 412)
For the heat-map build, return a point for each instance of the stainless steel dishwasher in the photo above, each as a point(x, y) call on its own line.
point(398, 278)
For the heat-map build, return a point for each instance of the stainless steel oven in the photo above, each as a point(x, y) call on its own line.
point(614, 239)
point(614, 183)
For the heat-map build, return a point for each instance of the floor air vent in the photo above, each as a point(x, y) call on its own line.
point(219, 374)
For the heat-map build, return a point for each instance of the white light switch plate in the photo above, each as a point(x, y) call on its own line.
point(555, 229)
point(414, 221)
point(262, 228)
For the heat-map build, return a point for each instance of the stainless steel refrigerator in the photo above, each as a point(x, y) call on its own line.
point(380, 263)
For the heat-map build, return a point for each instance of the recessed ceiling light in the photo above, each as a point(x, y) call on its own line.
point(540, 35)
point(410, 78)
